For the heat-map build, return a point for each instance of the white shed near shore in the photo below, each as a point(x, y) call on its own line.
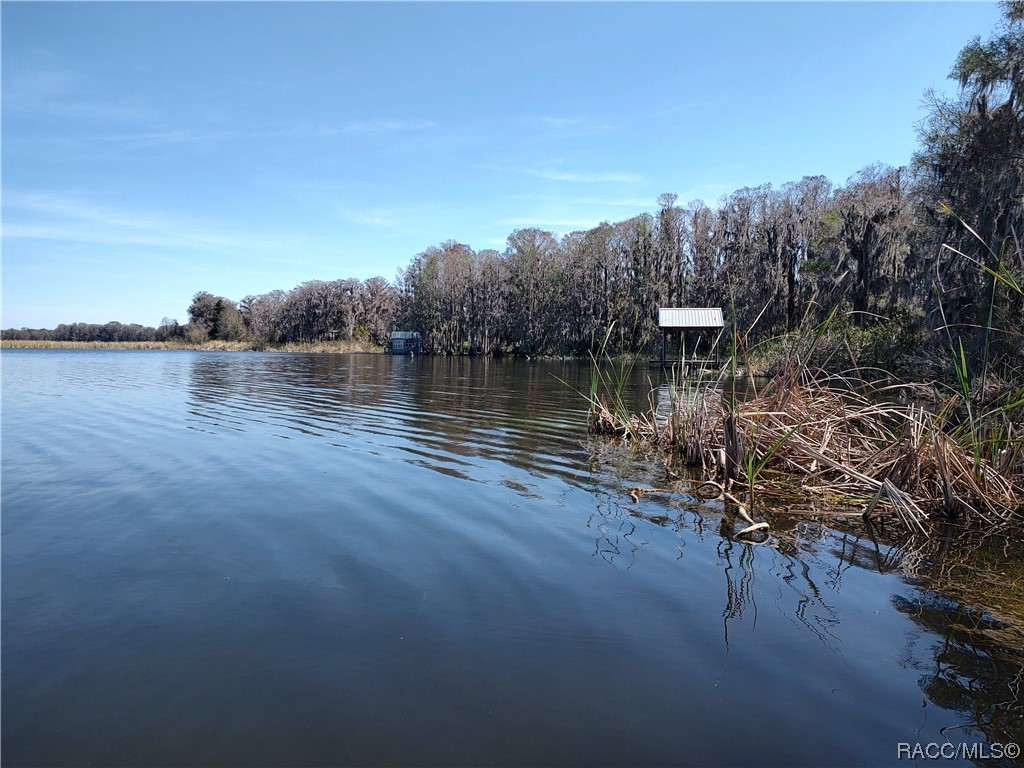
point(682, 319)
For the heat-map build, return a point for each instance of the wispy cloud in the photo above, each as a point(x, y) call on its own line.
point(631, 202)
point(709, 193)
point(43, 87)
point(706, 192)
point(576, 177)
point(380, 125)
point(561, 122)
point(286, 131)
point(385, 125)
point(372, 217)
point(173, 136)
point(41, 83)
point(61, 218)
point(564, 126)
point(59, 107)
point(583, 178)
point(556, 223)
point(494, 242)
point(637, 203)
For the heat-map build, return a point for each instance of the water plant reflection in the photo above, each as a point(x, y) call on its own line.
point(974, 672)
point(971, 660)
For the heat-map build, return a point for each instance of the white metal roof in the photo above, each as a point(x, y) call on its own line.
point(690, 317)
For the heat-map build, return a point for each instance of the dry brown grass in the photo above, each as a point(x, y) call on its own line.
point(805, 439)
point(327, 347)
point(25, 344)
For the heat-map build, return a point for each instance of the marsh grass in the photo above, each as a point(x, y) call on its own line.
point(325, 347)
point(802, 442)
point(35, 344)
point(984, 410)
point(809, 439)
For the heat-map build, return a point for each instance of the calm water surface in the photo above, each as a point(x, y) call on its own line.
point(219, 559)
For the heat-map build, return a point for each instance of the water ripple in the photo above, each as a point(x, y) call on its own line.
point(389, 409)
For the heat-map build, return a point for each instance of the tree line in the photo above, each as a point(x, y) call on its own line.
point(921, 245)
point(112, 331)
point(765, 254)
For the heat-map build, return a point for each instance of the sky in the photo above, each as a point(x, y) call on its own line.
point(154, 150)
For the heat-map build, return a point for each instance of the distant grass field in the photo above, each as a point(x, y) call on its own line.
point(334, 347)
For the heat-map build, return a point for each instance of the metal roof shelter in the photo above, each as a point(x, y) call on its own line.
point(690, 318)
point(682, 319)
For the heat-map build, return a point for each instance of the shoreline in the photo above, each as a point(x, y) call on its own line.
point(324, 347)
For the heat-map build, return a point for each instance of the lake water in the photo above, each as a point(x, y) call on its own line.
point(221, 559)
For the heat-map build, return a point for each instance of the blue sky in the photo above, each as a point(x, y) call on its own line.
point(153, 150)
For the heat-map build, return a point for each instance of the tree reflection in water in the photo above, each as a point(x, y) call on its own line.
point(975, 673)
point(971, 662)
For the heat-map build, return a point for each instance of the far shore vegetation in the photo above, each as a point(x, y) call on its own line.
point(889, 311)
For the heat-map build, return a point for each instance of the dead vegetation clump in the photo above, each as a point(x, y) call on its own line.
point(806, 439)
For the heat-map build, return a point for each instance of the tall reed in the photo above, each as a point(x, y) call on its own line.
point(808, 437)
point(984, 411)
